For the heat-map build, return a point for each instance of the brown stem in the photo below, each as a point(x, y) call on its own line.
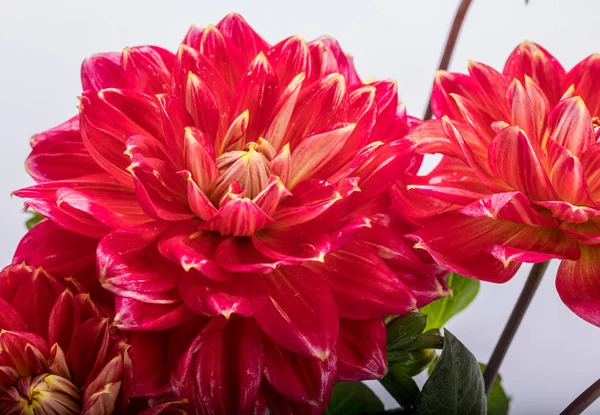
point(513, 323)
point(459, 17)
point(584, 400)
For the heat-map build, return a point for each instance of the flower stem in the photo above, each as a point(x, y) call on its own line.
point(459, 18)
point(531, 285)
point(584, 400)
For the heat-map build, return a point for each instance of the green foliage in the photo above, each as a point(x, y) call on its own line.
point(464, 291)
point(402, 387)
point(455, 385)
point(498, 402)
point(353, 398)
point(405, 329)
point(33, 220)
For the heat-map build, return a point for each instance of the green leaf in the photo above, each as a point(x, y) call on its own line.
point(33, 220)
point(405, 329)
point(431, 339)
point(464, 290)
point(353, 398)
point(402, 387)
point(497, 402)
point(455, 385)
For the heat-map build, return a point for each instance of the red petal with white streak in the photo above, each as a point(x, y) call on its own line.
point(570, 125)
point(257, 93)
point(309, 199)
point(514, 160)
point(584, 76)
point(361, 350)
point(242, 295)
point(511, 206)
point(299, 378)
point(229, 366)
point(130, 265)
point(239, 255)
point(316, 151)
point(135, 315)
point(467, 241)
point(102, 70)
point(362, 284)
point(239, 217)
point(531, 60)
point(578, 284)
point(191, 248)
point(300, 312)
point(199, 156)
point(147, 69)
point(295, 244)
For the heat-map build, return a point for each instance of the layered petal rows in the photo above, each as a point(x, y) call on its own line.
point(235, 197)
point(519, 180)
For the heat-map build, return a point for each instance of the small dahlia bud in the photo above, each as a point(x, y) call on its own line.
point(43, 394)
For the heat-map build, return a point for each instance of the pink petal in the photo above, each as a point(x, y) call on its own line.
point(175, 118)
point(295, 244)
point(445, 85)
point(160, 190)
point(195, 249)
point(361, 350)
point(60, 252)
point(257, 93)
point(239, 217)
point(147, 69)
point(238, 254)
point(289, 58)
point(199, 156)
point(316, 151)
point(242, 295)
point(130, 265)
point(492, 85)
point(321, 104)
point(101, 71)
point(309, 199)
point(297, 377)
point(570, 125)
point(510, 206)
point(201, 103)
point(149, 352)
point(64, 319)
point(229, 367)
point(268, 199)
point(531, 60)
point(9, 318)
point(132, 314)
point(362, 285)
point(89, 347)
point(472, 238)
point(578, 284)
point(300, 313)
point(513, 159)
point(244, 40)
point(584, 76)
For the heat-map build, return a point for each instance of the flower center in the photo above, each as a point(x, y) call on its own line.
point(41, 394)
point(249, 167)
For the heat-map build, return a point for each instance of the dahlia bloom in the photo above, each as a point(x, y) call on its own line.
point(59, 353)
point(519, 180)
point(239, 193)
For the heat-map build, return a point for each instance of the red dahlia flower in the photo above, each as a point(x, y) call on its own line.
point(519, 178)
point(59, 353)
point(240, 193)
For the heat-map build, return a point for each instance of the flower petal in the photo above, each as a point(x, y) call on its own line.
point(132, 314)
point(316, 151)
point(299, 378)
point(102, 70)
point(361, 350)
point(300, 312)
point(240, 217)
point(571, 126)
point(129, 265)
point(242, 295)
point(361, 283)
point(467, 242)
point(295, 244)
point(531, 60)
point(229, 367)
point(147, 69)
point(578, 284)
point(514, 160)
point(195, 249)
point(584, 76)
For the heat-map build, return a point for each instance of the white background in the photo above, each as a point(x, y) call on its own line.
point(42, 43)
